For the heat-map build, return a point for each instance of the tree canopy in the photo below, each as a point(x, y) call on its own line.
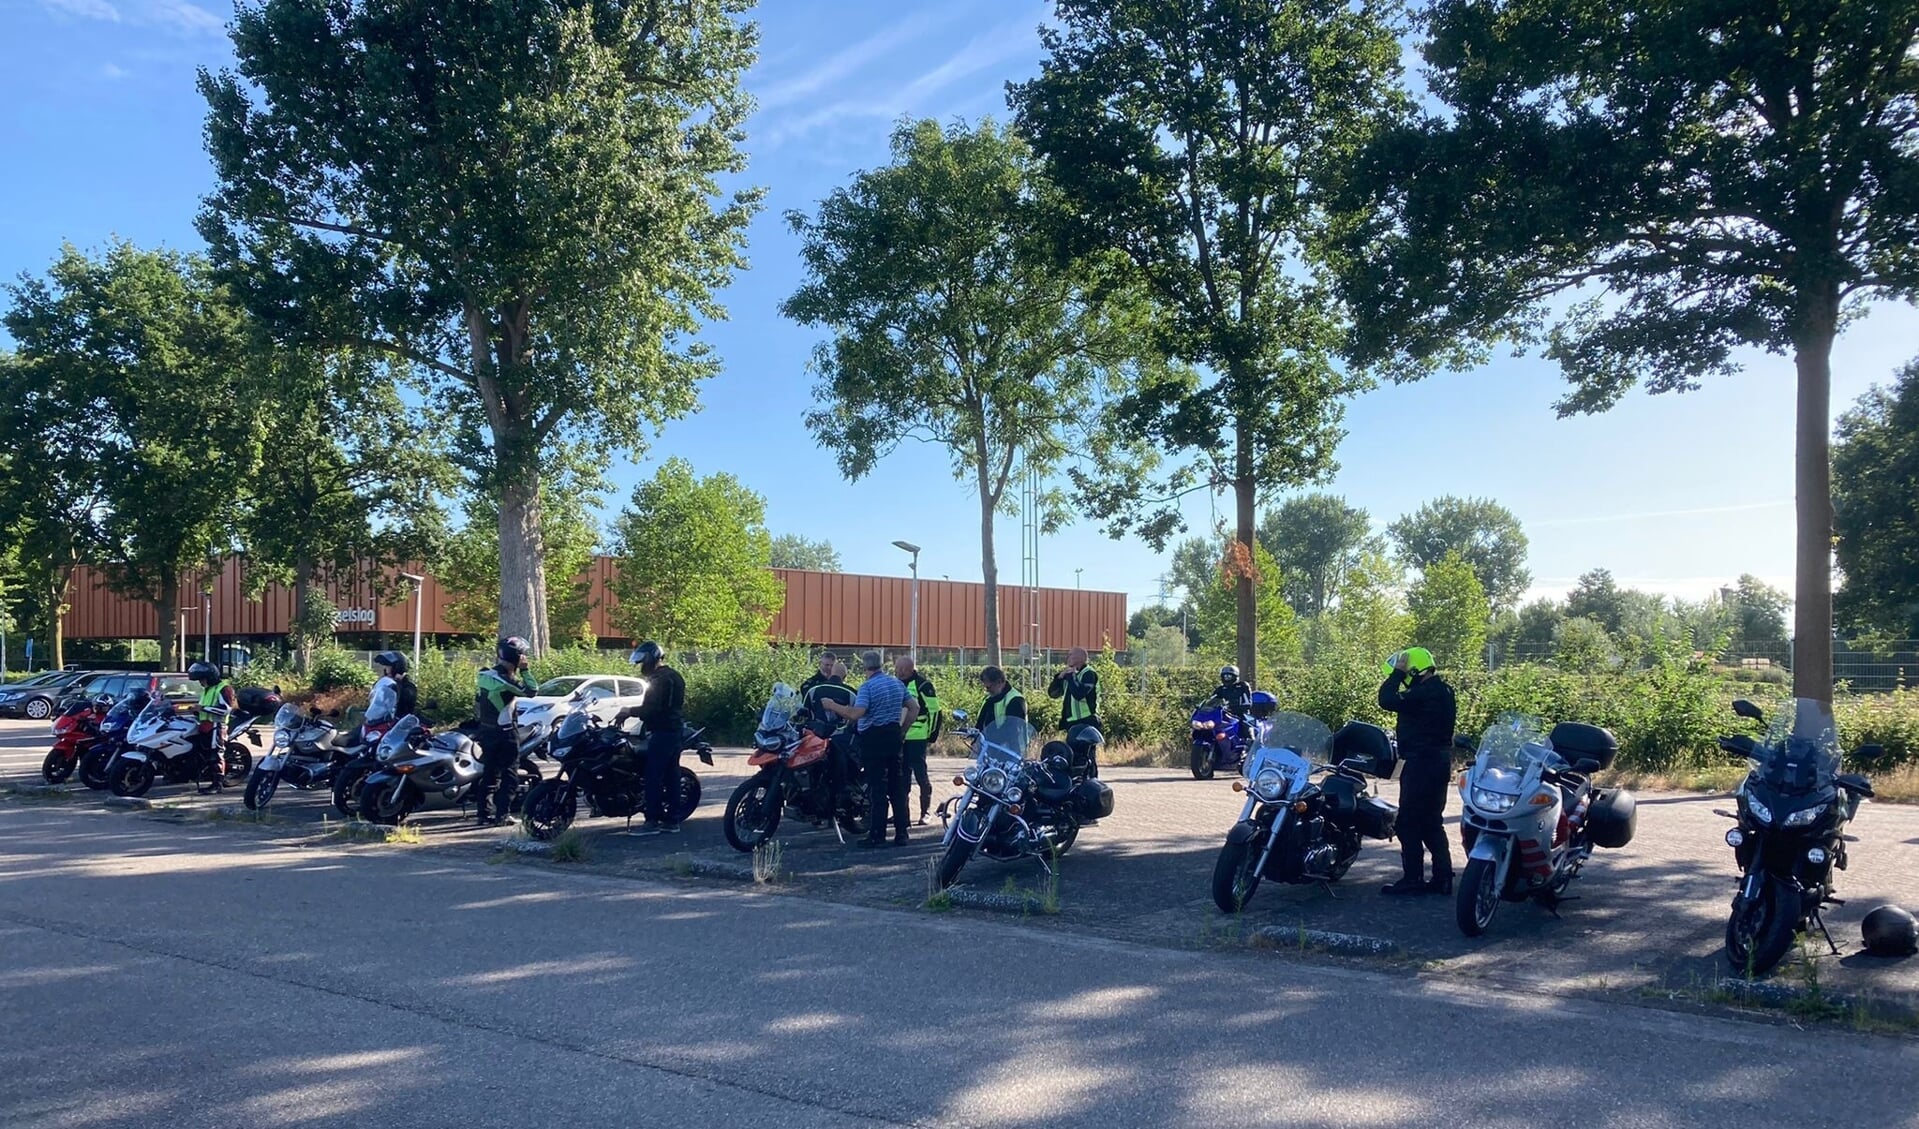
point(695, 562)
point(1484, 533)
point(1875, 481)
point(790, 550)
point(1450, 613)
point(523, 201)
point(1316, 538)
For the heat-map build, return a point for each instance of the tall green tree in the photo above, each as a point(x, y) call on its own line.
point(1199, 138)
point(1597, 597)
point(790, 550)
point(348, 482)
point(51, 497)
point(1484, 533)
point(1526, 635)
point(695, 562)
point(522, 200)
point(151, 352)
point(1366, 619)
point(1645, 189)
point(1875, 479)
point(1758, 610)
point(955, 321)
point(470, 565)
point(1216, 611)
point(1316, 538)
point(1450, 613)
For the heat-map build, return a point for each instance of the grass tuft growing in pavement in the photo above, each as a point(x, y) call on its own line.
point(769, 862)
point(569, 847)
point(405, 835)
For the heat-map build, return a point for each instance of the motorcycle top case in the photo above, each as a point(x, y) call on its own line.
point(1576, 742)
point(1368, 747)
point(1092, 800)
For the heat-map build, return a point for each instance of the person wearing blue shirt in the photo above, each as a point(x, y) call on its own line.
point(881, 711)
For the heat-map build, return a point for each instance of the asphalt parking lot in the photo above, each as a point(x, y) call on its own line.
point(1647, 920)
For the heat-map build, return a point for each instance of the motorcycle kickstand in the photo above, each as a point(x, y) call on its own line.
point(1819, 919)
point(1326, 888)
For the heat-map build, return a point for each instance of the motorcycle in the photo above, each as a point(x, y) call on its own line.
point(796, 776)
point(1531, 818)
point(161, 745)
point(419, 769)
point(1305, 819)
point(111, 739)
point(606, 765)
point(308, 750)
point(75, 732)
point(1790, 830)
point(1221, 741)
point(1012, 808)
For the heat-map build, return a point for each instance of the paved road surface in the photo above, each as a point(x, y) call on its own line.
point(1652, 914)
point(167, 976)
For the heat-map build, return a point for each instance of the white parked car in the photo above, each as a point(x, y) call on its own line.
point(602, 695)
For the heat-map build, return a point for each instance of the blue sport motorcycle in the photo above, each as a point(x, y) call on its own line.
point(1221, 741)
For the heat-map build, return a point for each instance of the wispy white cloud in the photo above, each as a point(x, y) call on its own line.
point(1009, 40)
point(113, 71)
point(83, 9)
point(185, 18)
point(846, 62)
point(180, 17)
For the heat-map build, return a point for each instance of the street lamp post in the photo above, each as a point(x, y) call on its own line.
point(419, 599)
point(206, 624)
point(913, 630)
point(1076, 573)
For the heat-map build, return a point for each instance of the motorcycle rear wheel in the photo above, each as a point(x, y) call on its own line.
point(548, 812)
point(854, 812)
point(953, 860)
point(1476, 900)
point(752, 813)
point(239, 762)
point(1203, 764)
point(346, 790)
point(686, 797)
point(93, 769)
point(1760, 932)
point(261, 785)
point(56, 768)
point(1235, 876)
point(130, 778)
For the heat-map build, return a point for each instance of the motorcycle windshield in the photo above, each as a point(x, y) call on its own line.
point(288, 718)
point(1511, 743)
point(1801, 753)
point(1307, 736)
point(384, 701)
point(569, 733)
point(398, 739)
point(780, 708)
point(1005, 740)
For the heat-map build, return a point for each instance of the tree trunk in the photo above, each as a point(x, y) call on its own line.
point(56, 618)
point(166, 608)
point(1812, 597)
point(516, 467)
point(989, 567)
point(1245, 600)
point(522, 560)
point(302, 641)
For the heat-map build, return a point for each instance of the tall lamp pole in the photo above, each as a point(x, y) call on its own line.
point(913, 631)
point(419, 599)
point(206, 625)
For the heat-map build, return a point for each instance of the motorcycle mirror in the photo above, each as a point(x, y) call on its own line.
point(1461, 741)
point(1868, 752)
point(1744, 708)
point(959, 715)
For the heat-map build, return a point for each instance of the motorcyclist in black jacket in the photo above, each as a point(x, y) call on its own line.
point(1232, 692)
point(1427, 713)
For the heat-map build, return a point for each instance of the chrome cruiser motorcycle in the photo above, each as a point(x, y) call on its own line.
point(1015, 809)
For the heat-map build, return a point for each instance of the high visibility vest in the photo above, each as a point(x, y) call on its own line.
point(996, 711)
point(212, 698)
point(1079, 688)
point(922, 690)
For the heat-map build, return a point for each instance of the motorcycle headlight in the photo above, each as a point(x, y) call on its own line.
point(992, 780)
point(1804, 817)
point(1202, 725)
point(1487, 800)
point(281, 738)
point(1269, 785)
point(1759, 811)
point(1014, 795)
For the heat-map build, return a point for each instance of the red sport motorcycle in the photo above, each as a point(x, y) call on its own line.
point(75, 732)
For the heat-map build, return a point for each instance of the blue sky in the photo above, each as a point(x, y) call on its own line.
point(100, 125)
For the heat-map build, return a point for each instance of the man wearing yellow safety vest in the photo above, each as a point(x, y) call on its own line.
point(925, 727)
point(1078, 687)
point(218, 702)
point(1003, 700)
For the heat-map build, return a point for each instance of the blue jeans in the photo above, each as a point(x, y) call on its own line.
point(662, 771)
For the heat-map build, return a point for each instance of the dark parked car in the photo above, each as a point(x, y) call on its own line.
point(36, 697)
point(116, 684)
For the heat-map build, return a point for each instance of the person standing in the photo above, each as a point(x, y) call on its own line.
point(829, 674)
point(923, 730)
point(1427, 715)
point(494, 693)
point(663, 712)
point(1003, 699)
point(218, 703)
point(1078, 688)
point(878, 711)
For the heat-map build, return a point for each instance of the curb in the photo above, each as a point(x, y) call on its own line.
point(714, 868)
point(1351, 944)
point(38, 790)
point(993, 902)
point(136, 803)
point(526, 846)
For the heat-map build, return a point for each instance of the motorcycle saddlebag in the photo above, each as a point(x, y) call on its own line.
point(1376, 819)
point(1576, 742)
point(1092, 800)
point(1368, 747)
point(1612, 817)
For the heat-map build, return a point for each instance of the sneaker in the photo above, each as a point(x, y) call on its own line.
point(1407, 887)
point(1441, 884)
point(669, 829)
point(648, 828)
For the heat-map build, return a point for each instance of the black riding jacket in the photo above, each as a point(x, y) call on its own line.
point(1426, 710)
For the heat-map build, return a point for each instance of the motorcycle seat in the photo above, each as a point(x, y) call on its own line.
point(1854, 783)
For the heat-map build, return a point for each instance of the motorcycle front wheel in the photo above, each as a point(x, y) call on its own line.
point(56, 768)
point(752, 813)
point(854, 812)
point(93, 770)
point(346, 789)
point(1477, 898)
point(550, 808)
point(387, 804)
point(1235, 875)
point(261, 785)
point(1760, 931)
point(1203, 763)
point(953, 860)
point(129, 778)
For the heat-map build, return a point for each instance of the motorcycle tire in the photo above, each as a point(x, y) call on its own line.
point(346, 790)
point(687, 798)
point(1476, 898)
point(549, 812)
point(1759, 934)
point(93, 770)
point(752, 813)
point(239, 763)
point(56, 768)
point(374, 809)
point(261, 785)
point(1068, 836)
point(953, 860)
point(1235, 876)
point(1203, 763)
point(854, 812)
point(129, 778)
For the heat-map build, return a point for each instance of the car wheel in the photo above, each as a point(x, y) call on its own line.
point(39, 709)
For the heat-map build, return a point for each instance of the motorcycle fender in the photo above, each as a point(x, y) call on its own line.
point(381, 777)
point(1245, 831)
point(271, 762)
point(1498, 850)
point(135, 754)
point(986, 817)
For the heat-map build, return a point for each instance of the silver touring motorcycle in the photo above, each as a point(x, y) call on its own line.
point(1531, 815)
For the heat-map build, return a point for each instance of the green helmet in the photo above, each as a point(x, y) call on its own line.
point(1417, 659)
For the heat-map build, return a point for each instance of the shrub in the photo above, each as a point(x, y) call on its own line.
point(334, 669)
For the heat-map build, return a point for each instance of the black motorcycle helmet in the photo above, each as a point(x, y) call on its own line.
point(512, 649)
point(205, 673)
point(647, 655)
point(394, 661)
point(1228, 675)
point(1085, 738)
point(1890, 932)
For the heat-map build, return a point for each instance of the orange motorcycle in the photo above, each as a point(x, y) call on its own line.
point(802, 772)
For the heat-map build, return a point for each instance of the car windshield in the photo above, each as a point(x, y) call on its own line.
point(559, 687)
point(178, 687)
point(1801, 753)
point(1509, 744)
point(780, 708)
point(397, 738)
point(1308, 736)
